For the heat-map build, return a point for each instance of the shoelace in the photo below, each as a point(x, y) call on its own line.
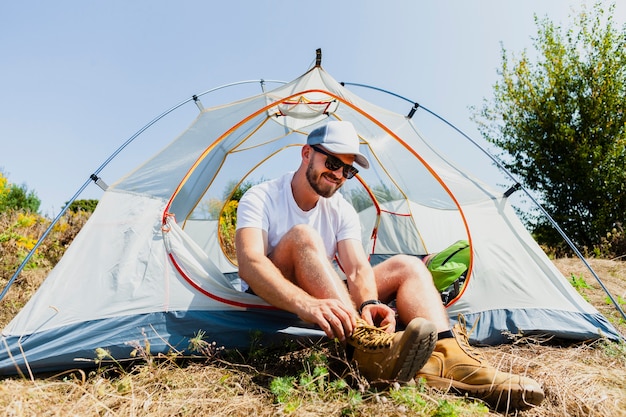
point(461, 330)
point(371, 336)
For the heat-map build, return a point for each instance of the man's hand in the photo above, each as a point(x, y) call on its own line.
point(334, 318)
point(380, 315)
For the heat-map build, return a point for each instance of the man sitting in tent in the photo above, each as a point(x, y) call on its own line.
point(289, 230)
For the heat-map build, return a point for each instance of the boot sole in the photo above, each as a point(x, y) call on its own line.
point(422, 336)
point(500, 397)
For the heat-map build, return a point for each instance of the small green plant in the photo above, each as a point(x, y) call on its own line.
point(256, 350)
point(124, 385)
point(354, 399)
point(313, 383)
point(579, 283)
point(415, 399)
point(285, 391)
point(615, 350)
point(409, 396)
point(446, 408)
point(620, 300)
point(283, 388)
point(197, 344)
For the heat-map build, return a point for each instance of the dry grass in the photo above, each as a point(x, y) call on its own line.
point(580, 380)
point(613, 276)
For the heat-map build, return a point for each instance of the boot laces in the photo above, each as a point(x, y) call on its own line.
point(371, 336)
point(463, 337)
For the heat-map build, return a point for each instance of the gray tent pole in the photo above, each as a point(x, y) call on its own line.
point(517, 186)
point(95, 178)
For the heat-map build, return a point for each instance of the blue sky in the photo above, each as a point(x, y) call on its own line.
point(81, 77)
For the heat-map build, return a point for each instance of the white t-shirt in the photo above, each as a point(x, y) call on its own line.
point(270, 206)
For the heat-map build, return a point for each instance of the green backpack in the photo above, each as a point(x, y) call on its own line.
point(449, 269)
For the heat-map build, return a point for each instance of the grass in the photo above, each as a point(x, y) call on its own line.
point(585, 379)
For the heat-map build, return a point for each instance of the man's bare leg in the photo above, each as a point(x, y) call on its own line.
point(407, 279)
point(301, 258)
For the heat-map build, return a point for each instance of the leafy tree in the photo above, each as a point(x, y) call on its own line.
point(17, 197)
point(560, 122)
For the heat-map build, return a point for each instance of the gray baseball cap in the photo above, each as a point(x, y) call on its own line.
point(338, 137)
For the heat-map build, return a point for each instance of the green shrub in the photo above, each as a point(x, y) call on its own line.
point(83, 205)
point(19, 232)
point(17, 197)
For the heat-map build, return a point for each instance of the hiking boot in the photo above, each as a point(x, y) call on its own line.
point(455, 365)
point(381, 356)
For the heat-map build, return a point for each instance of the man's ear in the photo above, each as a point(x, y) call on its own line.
point(306, 153)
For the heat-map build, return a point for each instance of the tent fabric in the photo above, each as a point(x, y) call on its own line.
point(151, 262)
point(541, 323)
point(74, 345)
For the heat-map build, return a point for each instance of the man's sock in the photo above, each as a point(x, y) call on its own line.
point(447, 334)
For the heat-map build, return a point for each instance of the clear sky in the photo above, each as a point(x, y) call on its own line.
point(78, 78)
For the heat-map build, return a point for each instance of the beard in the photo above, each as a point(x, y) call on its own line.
point(319, 184)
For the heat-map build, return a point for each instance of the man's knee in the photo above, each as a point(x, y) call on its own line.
point(404, 261)
point(304, 233)
point(298, 241)
point(302, 237)
point(410, 267)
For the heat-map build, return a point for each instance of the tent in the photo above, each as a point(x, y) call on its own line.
point(153, 262)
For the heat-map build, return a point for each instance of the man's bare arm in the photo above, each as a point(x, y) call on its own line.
point(268, 282)
point(362, 283)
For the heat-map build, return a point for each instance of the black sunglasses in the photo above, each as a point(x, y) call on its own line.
point(333, 164)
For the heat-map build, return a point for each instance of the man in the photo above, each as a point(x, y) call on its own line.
point(288, 232)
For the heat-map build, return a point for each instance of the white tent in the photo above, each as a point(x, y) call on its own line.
point(150, 263)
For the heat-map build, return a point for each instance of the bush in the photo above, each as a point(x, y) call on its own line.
point(613, 245)
point(17, 197)
point(84, 205)
point(20, 231)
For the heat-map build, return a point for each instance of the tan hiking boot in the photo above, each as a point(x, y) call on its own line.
point(381, 356)
point(457, 366)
